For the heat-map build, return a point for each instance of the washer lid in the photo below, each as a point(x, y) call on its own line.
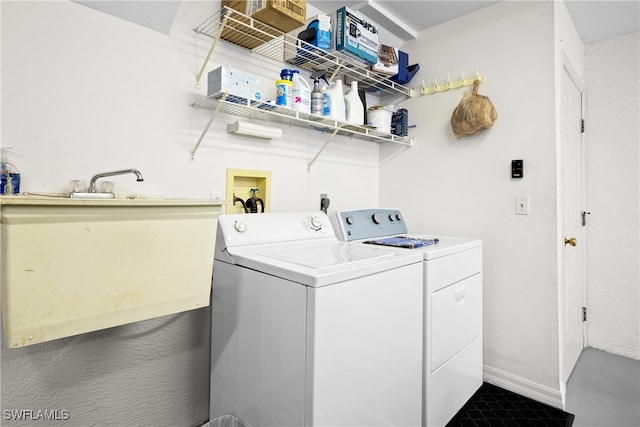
point(326, 257)
point(320, 264)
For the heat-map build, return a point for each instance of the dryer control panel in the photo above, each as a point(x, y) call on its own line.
point(368, 223)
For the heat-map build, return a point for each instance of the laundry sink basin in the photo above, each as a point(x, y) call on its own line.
point(74, 265)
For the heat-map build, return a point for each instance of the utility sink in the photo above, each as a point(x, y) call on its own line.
point(71, 265)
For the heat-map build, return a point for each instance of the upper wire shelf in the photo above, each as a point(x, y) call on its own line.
point(264, 40)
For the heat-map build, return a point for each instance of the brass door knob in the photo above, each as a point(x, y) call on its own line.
point(572, 241)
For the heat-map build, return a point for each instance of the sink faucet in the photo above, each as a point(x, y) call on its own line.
point(92, 183)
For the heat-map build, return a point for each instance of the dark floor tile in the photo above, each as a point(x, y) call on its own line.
point(494, 406)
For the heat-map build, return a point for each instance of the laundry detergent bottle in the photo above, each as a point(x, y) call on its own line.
point(354, 107)
point(301, 93)
point(337, 106)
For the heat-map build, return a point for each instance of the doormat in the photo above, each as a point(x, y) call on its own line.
point(495, 406)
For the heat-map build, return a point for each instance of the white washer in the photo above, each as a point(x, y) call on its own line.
point(311, 331)
point(453, 305)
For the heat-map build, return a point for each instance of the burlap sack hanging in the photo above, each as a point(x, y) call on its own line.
point(473, 114)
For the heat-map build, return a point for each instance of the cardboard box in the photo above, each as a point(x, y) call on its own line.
point(233, 82)
point(238, 28)
point(355, 36)
point(283, 15)
point(387, 61)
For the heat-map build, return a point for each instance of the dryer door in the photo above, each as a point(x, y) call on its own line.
point(455, 318)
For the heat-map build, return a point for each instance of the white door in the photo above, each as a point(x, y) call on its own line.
point(571, 174)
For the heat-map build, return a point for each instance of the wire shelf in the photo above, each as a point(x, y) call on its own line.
point(264, 40)
point(258, 110)
point(241, 30)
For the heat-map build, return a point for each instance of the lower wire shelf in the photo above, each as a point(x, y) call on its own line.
point(259, 110)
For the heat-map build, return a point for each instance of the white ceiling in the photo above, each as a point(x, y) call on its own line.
point(594, 19)
point(600, 20)
point(155, 14)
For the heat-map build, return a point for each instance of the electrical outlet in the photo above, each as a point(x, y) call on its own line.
point(324, 202)
point(522, 205)
point(217, 195)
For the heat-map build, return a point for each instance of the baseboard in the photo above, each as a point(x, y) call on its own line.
point(522, 386)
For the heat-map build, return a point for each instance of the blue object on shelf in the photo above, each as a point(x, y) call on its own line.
point(316, 41)
point(405, 71)
point(400, 122)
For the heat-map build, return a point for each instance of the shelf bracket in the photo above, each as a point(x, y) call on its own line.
point(333, 135)
point(213, 46)
point(206, 128)
point(335, 73)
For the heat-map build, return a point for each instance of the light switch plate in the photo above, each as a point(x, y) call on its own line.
point(522, 205)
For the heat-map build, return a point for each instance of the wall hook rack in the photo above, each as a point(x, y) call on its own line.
point(451, 84)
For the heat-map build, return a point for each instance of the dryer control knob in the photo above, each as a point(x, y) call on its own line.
point(376, 218)
point(349, 220)
point(315, 223)
point(240, 227)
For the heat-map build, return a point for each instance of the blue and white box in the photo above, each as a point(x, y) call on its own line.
point(227, 80)
point(356, 36)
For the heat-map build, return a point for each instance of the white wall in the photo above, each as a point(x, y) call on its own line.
point(84, 92)
point(612, 72)
point(464, 187)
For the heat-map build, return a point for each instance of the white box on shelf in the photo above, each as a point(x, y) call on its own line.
point(387, 60)
point(233, 82)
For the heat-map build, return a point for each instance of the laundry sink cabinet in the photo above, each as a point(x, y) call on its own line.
point(70, 266)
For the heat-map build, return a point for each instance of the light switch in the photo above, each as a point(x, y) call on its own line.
point(522, 205)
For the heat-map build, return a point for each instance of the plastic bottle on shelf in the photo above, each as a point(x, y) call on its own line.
point(9, 175)
point(336, 101)
point(354, 107)
point(317, 94)
point(326, 108)
point(286, 74)
point(301, 93)
point(283, 92)
point(317, 99)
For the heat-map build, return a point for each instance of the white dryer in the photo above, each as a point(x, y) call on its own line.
point(452, 274)
point(311, 331)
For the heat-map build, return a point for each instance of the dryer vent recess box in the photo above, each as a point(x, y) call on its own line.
point(284, 15)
